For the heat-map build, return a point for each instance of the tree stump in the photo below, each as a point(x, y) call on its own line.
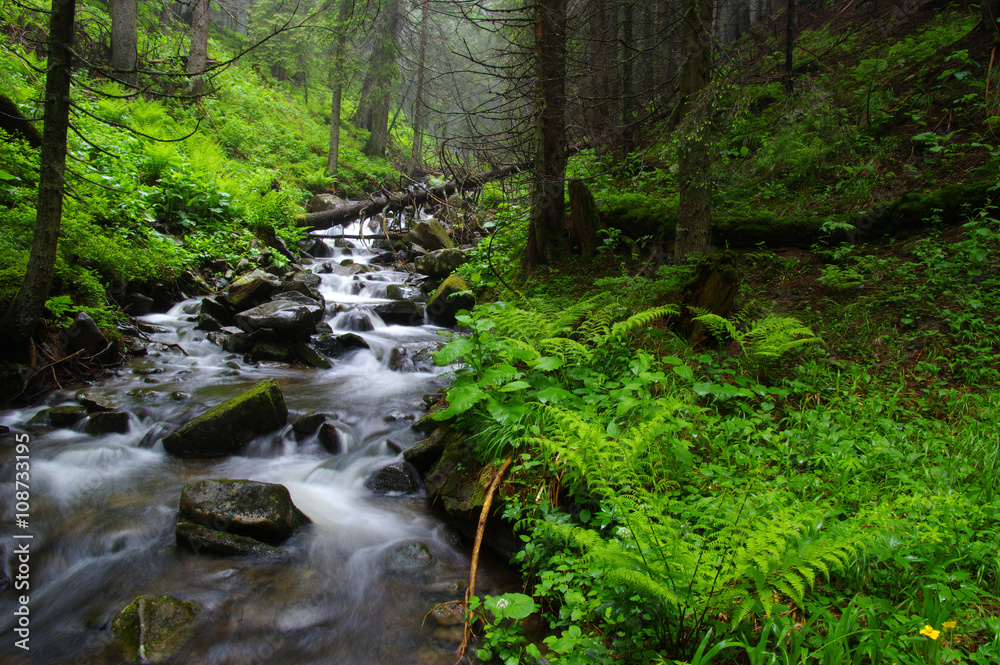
point(584, 220)
point(712, 288)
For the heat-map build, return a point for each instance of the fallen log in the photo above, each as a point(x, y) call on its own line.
point(352, 210)
point(399, 200)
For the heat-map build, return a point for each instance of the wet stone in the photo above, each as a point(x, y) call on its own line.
point(153, 628)
point(312, 356)
point(409, 558)
point(94, 401)
point(263, 511)
point(337, 345)
point(217, 310)
point(306, 426)
point(228, 427)
point(65, 416)
point(208, 323)
point(106, 422)
point(331, 438)
point(396, 478)
point(271, 352)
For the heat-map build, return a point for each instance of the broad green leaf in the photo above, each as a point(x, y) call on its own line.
point(684, 372)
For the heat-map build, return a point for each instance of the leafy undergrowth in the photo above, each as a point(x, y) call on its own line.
point(769, 499)
point(163, 184)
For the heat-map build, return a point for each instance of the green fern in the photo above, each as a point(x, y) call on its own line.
point(767, 338)
point(728, 557)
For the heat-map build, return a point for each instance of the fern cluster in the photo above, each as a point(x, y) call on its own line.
point(515, 359)
point(768, 338)
point(725, 554)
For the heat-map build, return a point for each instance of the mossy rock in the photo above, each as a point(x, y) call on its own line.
point(458, 483)
point(153, 628)
point(228, 427)
point(445, 304)
point(201, 539)
point(259, 510)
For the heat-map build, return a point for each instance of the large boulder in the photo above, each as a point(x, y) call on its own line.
point(247, 290)
point(444, 304)
point(431, 235)
point(400, 313)
point(152, 628)
point(228, 427)
point(440, 263)
point(291, 320)
point(249, 508)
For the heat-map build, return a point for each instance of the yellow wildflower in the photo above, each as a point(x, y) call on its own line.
point(929, 631)
point(948, 625)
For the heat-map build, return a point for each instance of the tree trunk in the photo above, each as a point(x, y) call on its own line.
point(382, 73)
point(585, 220)
point(417, 154)
point(789, 46)
point(546, 194)
point(30, 301)
point(694, 216)
point(124, 41)
point(198, 56)
point(628, 89)
point(991, 13)
point(337, 86)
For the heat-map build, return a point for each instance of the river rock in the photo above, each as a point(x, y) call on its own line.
point(383, 259)
point(400, 313)
point(424, 454)
point(208, 323)
point(202, 539)
point(241, 342)
point(337, 345)
point(443, 305)
point(106, 422)
point(316, 248)
point(409, 558)
point(65, 416)
point(263, 511)
point(431, 235)
point(324, 202)
point(217, 310)
point(404, 292)
point(95, 401)
point(311, 355)
point(440, 263)
point(306, 426)
point(249, 289)
point(85, 335)
point(152, 628)
point(272, 352)
point(396, 478)
point(299, 298)
point(458, 483)
point(227, 427)
point(292, 321)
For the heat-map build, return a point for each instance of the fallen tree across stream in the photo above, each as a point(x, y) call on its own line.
point(352, 210)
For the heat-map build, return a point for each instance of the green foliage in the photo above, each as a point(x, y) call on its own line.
point(764, 339)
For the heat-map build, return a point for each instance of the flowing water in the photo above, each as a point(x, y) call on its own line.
point(103, 509)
